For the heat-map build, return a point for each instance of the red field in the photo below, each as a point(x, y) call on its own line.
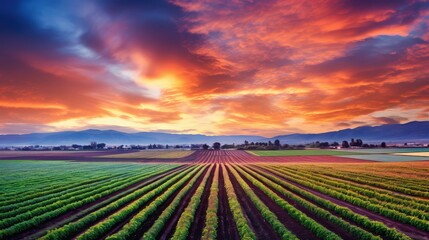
point(216, 195)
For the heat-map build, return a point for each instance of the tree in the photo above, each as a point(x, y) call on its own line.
point(383, 145)
point(101, 145)
point(205, 146)
point(359, 142)
point(277, 143)
point(246, 142)
point(345, 144)
point(216, 146)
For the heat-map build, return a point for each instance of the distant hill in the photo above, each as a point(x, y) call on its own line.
point(116, 137)
point(412, 131)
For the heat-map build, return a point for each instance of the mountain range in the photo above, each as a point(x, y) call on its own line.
point(417, 131)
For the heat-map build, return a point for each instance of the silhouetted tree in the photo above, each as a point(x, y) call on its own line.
point(246, 143)
point(383, 145)
point(205, 146)
point(345, 144)
point(101, 145)
point(277, 143)
point(216, 146)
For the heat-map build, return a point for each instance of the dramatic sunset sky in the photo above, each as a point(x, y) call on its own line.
point(212, 67)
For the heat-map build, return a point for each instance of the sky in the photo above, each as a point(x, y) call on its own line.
point(266, 68)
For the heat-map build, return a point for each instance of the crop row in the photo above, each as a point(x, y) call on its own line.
point(363, 221)
point(415, 184)
point(384, 195)
point(58, 202)
point(363, 194)
point(319, 230)
point(188, 215)
point(68, 181)
point(269, 216)
point(377, 183)
point(102, 228)
point(24, 198)
point(30, 205)
point(211, 224)
point(72, 229)
point(37, 216)
point(392, 214)
point(45, 179)
point(240, 221)
point(353, 230)
point(134, 224)
point(166, 214)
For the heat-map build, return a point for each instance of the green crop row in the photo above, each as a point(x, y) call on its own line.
point(210, 228)
point(340, 176)
point(60, 209)
point(240, 221)
point(392, 214)
point(61, 203)
point(102, 228)
point(377, 183)
point(70, 230)
point(380, 194)
point(319, 230)
point(188, 215)
point(133, 225)
point(69, 195)
point(65, 180)
point(373, 226)
point(25, 198)
point(410, 183)
point(357, 232)
point(351, 191)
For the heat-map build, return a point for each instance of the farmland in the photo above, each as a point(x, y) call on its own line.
point(315, 152)
point(215, 195)
point(152, 154)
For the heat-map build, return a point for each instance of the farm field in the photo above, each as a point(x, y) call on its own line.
point(152, 154)
point(218, 195)
point(387, 157)
point(389, 150)
point(417, 154)
point(307, 152)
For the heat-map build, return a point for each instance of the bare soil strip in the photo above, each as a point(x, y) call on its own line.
point(411, 231)
point(227, 229)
